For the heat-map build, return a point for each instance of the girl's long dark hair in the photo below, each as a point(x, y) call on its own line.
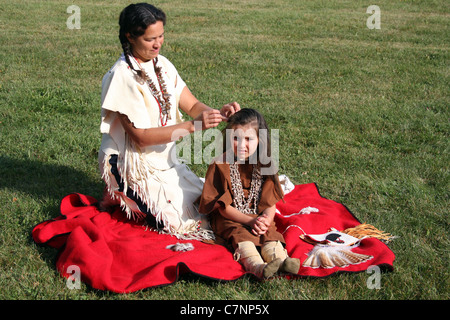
point(134, 20)
point(262, 157)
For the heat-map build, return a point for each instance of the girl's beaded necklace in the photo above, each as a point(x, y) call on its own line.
point(245, 206)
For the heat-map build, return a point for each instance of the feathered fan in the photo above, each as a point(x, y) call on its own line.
point(333, 249)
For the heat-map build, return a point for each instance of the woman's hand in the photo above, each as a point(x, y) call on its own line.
point(209, 118)
point(201, 112)
point(229, 109)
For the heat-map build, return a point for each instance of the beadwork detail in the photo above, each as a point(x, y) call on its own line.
point(160, 94)
point(245, 206)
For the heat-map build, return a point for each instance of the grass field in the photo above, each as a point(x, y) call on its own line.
point(364, 113)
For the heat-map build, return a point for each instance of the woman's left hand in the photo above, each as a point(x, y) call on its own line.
point(229, 109)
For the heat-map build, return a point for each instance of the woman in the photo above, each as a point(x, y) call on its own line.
point(141, 98)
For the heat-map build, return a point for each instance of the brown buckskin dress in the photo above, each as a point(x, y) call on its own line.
point(217, 191)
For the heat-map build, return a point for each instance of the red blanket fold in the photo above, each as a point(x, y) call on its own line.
point(115, 254)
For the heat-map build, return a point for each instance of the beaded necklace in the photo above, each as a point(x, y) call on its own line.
point(161, 96)
point(239, 201)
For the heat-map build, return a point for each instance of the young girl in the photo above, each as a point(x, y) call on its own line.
point(241, 200)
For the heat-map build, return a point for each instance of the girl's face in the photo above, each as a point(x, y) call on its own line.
point(147, 46)
point(245, 141)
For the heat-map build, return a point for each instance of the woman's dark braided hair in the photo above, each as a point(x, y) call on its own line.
point(134, 20)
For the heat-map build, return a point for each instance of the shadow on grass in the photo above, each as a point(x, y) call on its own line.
point(47, 184)
point(46, 181)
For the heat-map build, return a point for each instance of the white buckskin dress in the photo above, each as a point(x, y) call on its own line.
point(150, 180)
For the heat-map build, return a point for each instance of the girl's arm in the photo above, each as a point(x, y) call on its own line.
point(233, 214)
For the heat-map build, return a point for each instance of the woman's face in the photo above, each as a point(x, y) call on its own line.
point(245, 141)
point(147, 46)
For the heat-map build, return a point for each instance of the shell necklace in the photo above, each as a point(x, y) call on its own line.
point(239, 201)
point(161, 96)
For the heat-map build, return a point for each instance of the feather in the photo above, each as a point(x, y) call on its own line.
point(181, 247)
point(325, 259)
point(332, 256)
point(367, 230)
point(338, 261)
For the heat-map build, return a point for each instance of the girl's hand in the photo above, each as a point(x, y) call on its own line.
point(259, 226)
point(229, 109)
point(266, 219)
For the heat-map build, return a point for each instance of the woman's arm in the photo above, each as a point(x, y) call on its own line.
point(194, 108)
point(154, 136)
point(208, 117)
point(199, 111)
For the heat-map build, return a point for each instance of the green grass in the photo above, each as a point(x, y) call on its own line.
point(362, 113)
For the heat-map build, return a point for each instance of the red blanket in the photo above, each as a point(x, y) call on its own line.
point(112, 253)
